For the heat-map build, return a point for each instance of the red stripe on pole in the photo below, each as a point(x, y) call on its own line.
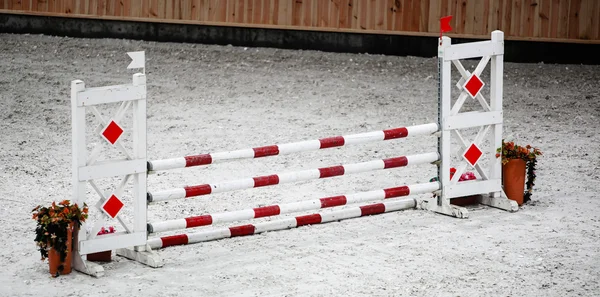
point(198, 160)
point(333, 201)
point(372, 209)
point(395, 162)
point(174, 240)
point(332, 141)
point(264, 151)
point(192, 191)
point(241, 230)
point(397, 192)
point(395, 133)
point(198, 221)
point(268, 180)
point(331, 171)
point(266, 211)
point(308, 220)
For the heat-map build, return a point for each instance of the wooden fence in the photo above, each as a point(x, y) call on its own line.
point(558, 20)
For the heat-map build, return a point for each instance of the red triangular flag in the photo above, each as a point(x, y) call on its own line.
point(445, 24)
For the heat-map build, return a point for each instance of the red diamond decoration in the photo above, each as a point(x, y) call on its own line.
point(112, 206)
point(472, 154)
point(112, 132)
point(473, 85)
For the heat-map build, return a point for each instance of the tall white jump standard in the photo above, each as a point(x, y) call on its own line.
point(451, 121)
point(132, 242)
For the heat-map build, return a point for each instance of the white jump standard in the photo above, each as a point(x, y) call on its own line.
point(138, 238)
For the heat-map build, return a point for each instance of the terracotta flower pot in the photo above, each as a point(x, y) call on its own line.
point(513, 179)
point(54, 256)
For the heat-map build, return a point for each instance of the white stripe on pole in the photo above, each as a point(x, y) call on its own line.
point(291, 177)
point(365, 196)
point(232, 216)
point(234, 185)
point(170, 194)
point(167, 164)
point(363, 137)
point(308, 145)
point(232, 155)
point(275, 225)
point(422, 129)
point(424, 188)
point(167, 225)
point(422, 158)
point(342, 214)
point(299, 206)
point(362, 167)
point(209, 235)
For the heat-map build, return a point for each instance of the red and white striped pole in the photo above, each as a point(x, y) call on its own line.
point(288, 223)
point(289, 148)
point(273, 210)
point(296, 176)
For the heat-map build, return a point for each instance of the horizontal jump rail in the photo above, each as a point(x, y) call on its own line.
point(289, 148)
point(296, 176)
point(288, 223)
point(273, 210)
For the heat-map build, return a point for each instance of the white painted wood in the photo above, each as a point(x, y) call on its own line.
point(299, 206)
point(234, 185)
point(111, 241)
point(363, 137)
point(112, 168)
point(139, 152)
point(111, 94)
point(425, 129)
point(167, 164)
point(496, 93)
point(164, 195)
point(275, 225)
point(471, 119)
point(472, 50)
point(290, 177)
point(342, 214)
point(209, 235)
point(365, 196)
point(239, 154)
point(467, 188)
point(148, 257)
point(362, 167)
point(302, 146)
point(422, 158)
point(157, 227)
point(424, 188)
point(232, 216)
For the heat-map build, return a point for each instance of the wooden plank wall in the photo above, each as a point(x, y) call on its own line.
point(556, 19)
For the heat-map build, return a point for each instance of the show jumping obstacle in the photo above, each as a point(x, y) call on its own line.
point(135, 241)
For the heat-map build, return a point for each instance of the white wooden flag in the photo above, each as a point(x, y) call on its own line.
point(138, 60)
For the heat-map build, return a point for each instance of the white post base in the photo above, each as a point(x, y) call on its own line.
point(446, 208)
point(147, 257)
point(500, 202)
point(87, 267)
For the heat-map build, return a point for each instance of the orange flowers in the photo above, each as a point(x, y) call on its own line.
point(52, 225)
point(510, 150)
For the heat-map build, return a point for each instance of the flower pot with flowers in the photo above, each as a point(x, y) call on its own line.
point(516, 161)
point(105, 256)
point(54, 233)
